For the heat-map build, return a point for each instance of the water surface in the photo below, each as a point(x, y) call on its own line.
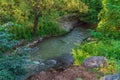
point(57, 46)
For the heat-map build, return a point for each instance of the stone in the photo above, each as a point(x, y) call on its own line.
point(51, 63)
point(64, 61)
point(111, 77)
point(36, 62)
point(90, 39)
point(40, 39)
point(60, 62)
point(95, 62)
point(68, 22)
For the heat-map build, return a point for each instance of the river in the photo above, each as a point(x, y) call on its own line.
point(57, 46)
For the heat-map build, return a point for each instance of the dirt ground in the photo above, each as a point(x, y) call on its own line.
point(71, 73)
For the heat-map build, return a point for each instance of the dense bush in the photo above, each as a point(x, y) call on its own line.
point(109, 24)
point(79, 55)
point(21, 31)
point(45, 28)
point(10, 11)
point(71, 6)
point(11, 67)
point(109, 49)
point(49, 27)
point(99, 45)
point(6, 42)
point(94, 7)
point(37, 18)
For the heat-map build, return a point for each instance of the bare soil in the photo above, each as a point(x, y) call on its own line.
point(71, 73)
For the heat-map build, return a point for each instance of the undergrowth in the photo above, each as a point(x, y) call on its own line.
point(100, 46)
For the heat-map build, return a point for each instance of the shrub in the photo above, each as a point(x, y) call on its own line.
point(72, 6)
point(79, 55)
point(11, 11)
point(94, 7)
point(46, 27)
point(97, 35)
point(109, 16)
point(5, 75)
point(11, 67)
point(110, 68)
point(6, 42)
point(107, 48)
point(79, 79)
point(49, 27)
point(21, 31)
point(23, 12)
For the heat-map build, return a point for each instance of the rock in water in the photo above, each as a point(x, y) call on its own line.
point(64, 61)
point(51, 63)
point(60, 62)
point(111, 77)
point(95, 62)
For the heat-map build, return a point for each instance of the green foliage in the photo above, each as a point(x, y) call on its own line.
point(97, 35)
point(94, 7)
point(48, 27)
point(22, 14)
point(6, 42)
point(21, 31)
point(71, 5)
point(10, 11)
point(5, 75)
point(79, 79)
point(109, 24)
point(79, 55)
point(108, 48)
point(117, 64)
point(11, 67)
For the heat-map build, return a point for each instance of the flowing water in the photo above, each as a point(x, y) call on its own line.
point(57, 46)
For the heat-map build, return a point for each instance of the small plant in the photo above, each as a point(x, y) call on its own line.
point(117, 65)
point(109, 69)
point(79, 55)
point(79, 79)
point(97, 35)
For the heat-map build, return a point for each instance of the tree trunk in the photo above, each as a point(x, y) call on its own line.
point(36, 18)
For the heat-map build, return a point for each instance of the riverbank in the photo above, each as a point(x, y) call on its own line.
point(71, 73)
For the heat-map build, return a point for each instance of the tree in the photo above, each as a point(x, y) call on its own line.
point(36, 7)
point(40, 6)
point(24, 11)
point(10, 11)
